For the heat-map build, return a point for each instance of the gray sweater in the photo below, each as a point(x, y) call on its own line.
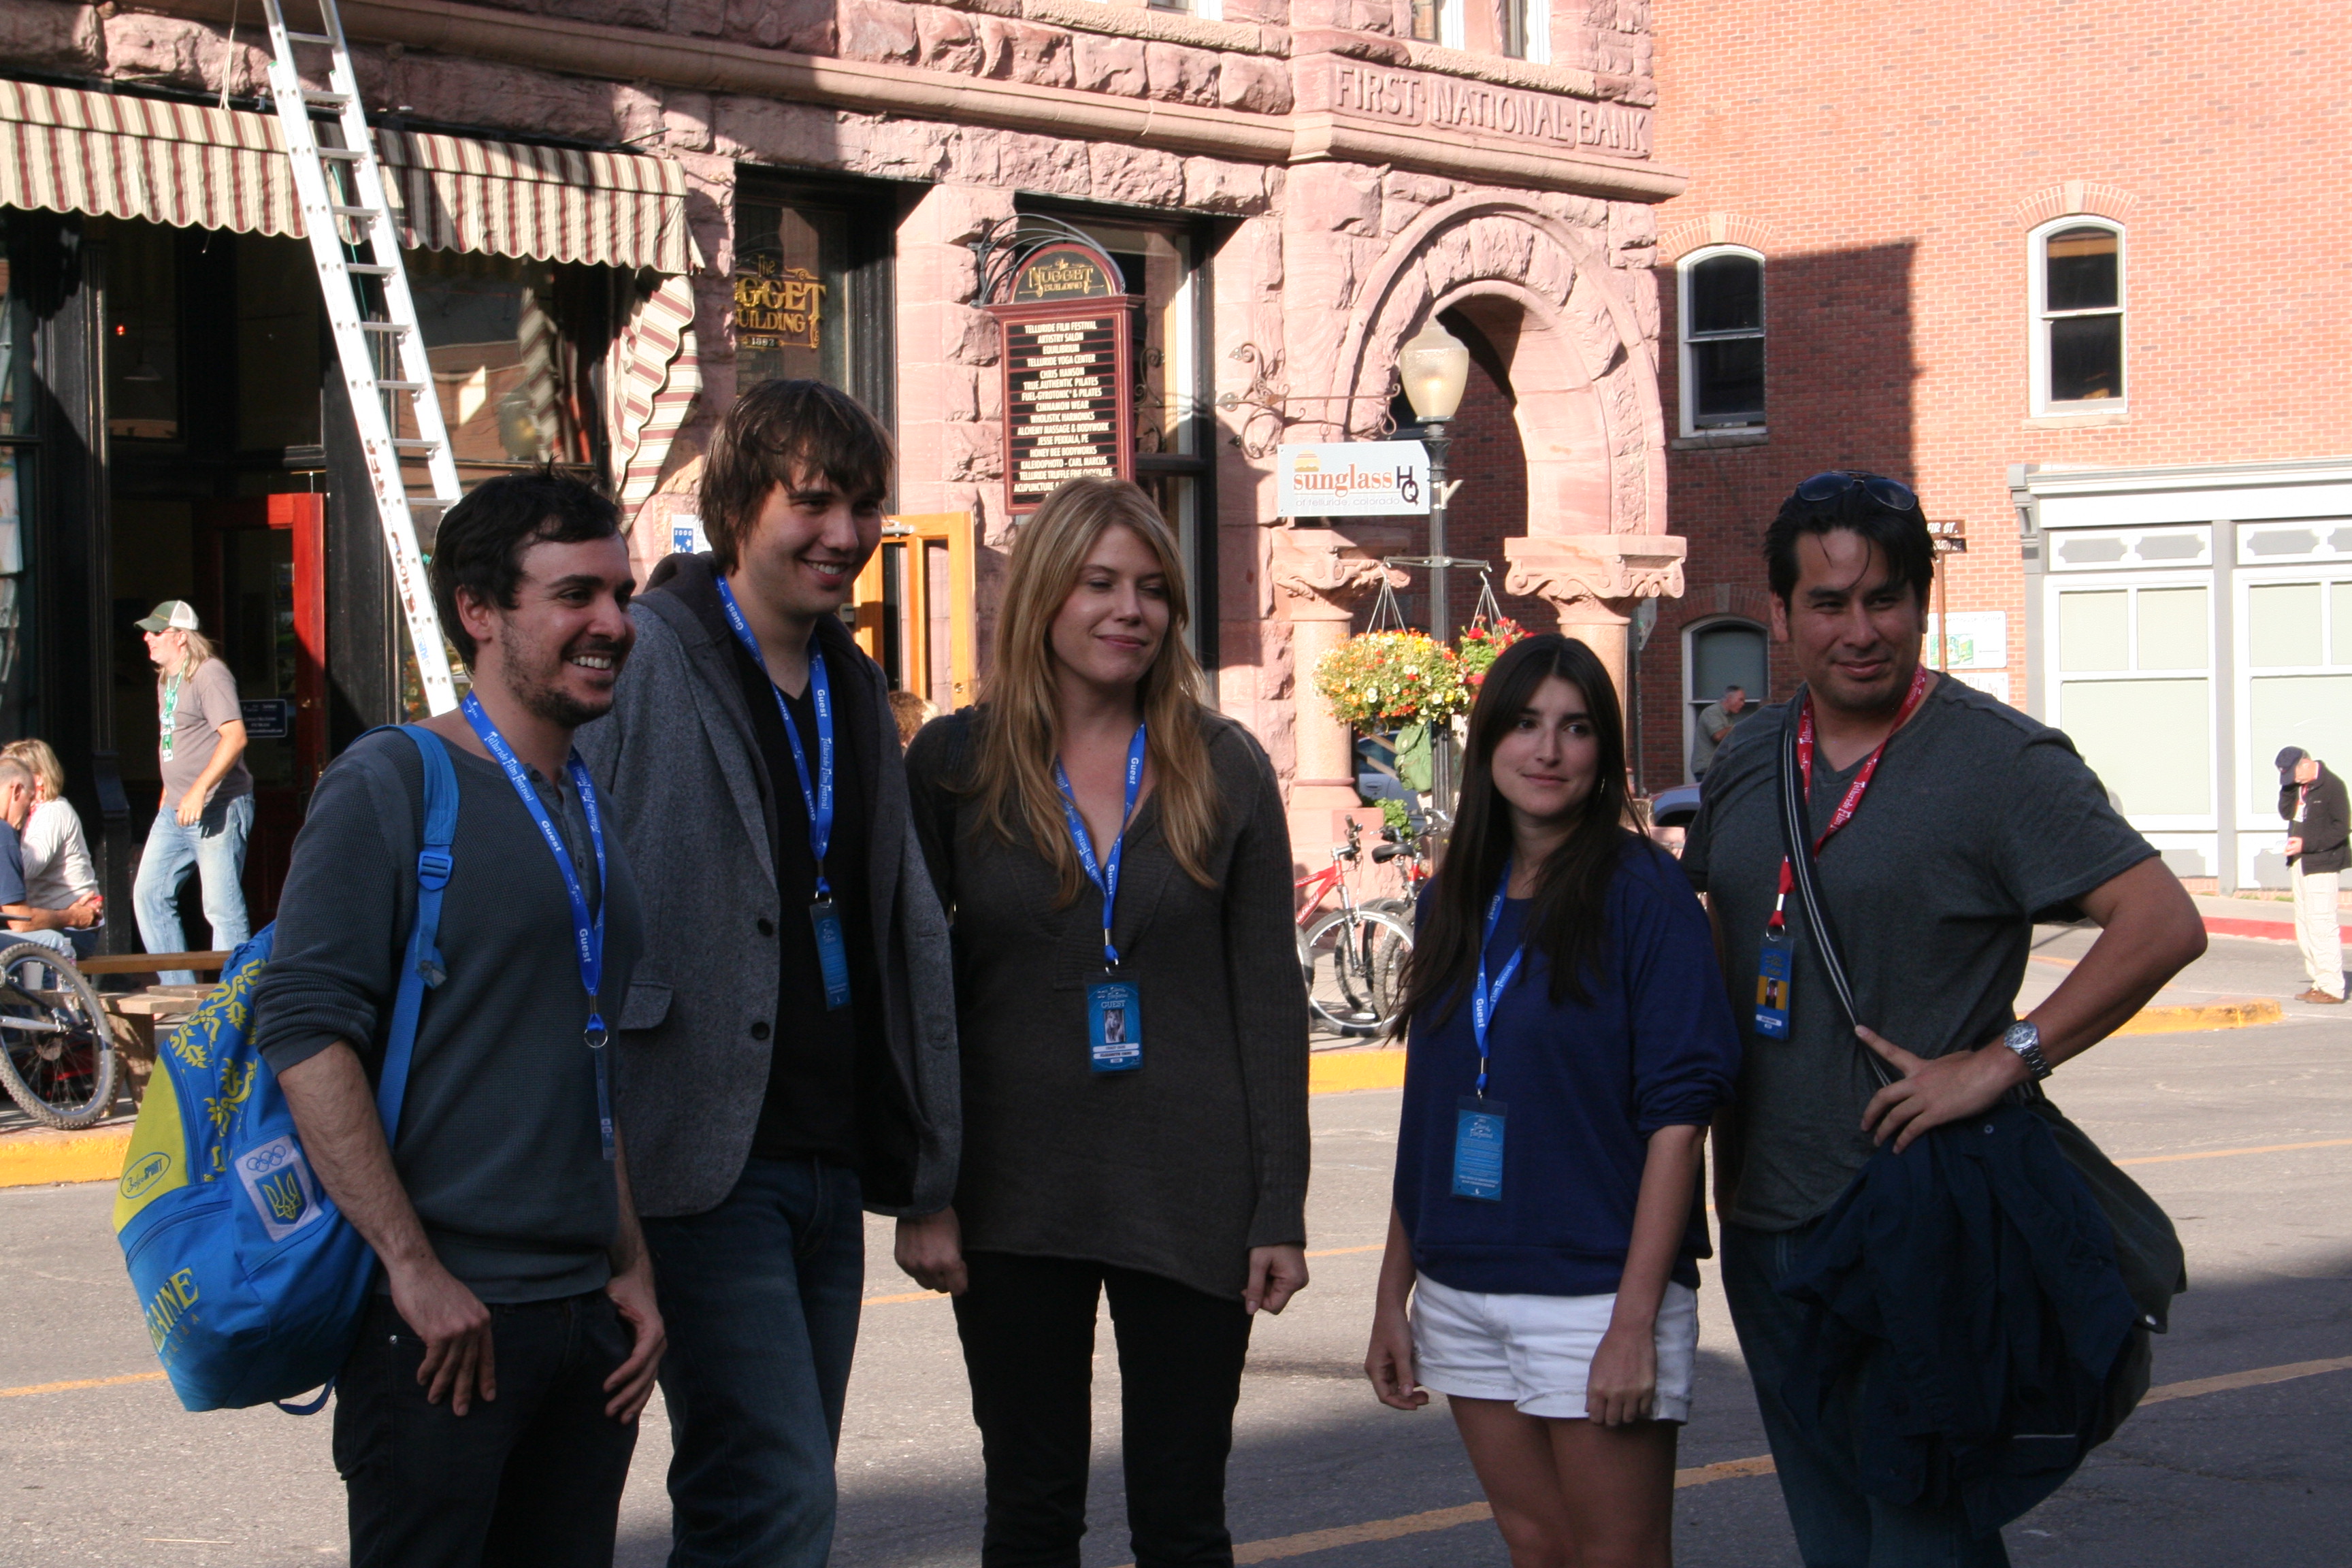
point(499, 1147)
point(679, 759)
point(1177, 1169)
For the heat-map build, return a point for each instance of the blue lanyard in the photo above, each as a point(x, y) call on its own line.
point(1483, 1001)
point(816, 796)
point(588, 935)
point(1104, 877)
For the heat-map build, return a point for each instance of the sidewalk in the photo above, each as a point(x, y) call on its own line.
point(2264, 919)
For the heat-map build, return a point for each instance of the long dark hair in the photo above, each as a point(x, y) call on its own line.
point(1566, 924)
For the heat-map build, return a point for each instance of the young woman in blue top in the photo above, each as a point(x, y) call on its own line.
point(1568, 1039)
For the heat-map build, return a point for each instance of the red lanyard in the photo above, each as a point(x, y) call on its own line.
point(1855, 792)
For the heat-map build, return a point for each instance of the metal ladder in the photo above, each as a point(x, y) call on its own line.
point(341, 188)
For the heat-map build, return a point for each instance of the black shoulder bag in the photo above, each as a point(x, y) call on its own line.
point(2147, 1249)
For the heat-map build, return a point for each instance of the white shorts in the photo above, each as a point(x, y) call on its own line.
point(1535, 1351)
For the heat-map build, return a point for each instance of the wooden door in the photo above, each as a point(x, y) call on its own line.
point(914, 608)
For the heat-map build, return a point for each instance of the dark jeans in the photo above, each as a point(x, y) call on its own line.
point(1837, 1525)
point(760, 1297)
point(530, 1478)
point(1028, 1330)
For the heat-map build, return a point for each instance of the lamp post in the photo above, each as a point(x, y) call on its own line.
point(1435, 367)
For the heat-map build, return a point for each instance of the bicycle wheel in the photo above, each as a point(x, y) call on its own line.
point(59, 1060)
point(1355, 963)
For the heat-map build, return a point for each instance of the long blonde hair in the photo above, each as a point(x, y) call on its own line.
point(196, 649)
point(37, 756)
point(1013, 773)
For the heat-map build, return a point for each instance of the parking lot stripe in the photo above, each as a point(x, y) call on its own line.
point(2226, 1153)
point(1281, 1547)
point(81, 1382)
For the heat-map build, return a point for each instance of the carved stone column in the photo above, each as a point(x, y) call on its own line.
point(1593, 580)
point(1322, 573)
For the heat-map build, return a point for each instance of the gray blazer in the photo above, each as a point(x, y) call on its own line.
point(679, 760)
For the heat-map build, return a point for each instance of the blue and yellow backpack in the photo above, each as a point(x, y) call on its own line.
point(251, 1282)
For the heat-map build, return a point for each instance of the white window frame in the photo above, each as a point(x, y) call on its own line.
point(2039, 316)
point(1691, 702)
point(2054, 676)
point(1686, 380)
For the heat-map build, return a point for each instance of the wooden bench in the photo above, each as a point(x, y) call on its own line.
point(134, 1017)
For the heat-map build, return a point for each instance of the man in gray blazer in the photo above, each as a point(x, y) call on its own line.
point(787, 1052)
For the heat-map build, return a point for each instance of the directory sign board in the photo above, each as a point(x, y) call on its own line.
point(1069, 377)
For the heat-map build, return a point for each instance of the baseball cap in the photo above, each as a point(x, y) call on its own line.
point(171, 615)
point(2288, 757)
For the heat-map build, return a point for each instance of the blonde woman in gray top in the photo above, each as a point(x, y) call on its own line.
point(206, 811)
point(58, 873)
point(1116, 863)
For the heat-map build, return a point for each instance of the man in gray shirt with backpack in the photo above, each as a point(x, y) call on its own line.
point(1944, 822)
point(488, 1412)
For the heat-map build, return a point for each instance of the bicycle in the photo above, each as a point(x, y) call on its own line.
point(1413, 849)
point(1352, 957)
point(60, 1062)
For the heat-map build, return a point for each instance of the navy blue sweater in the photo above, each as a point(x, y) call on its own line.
point(1584, 1085)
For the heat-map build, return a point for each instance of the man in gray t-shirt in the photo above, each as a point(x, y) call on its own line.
point(1976, 818)
point(206, 814)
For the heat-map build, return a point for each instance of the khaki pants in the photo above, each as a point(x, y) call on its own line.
point(2318, 932)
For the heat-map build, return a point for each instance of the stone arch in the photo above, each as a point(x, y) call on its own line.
point(1717, 228)
point(1580, 362)
point(2070, 199)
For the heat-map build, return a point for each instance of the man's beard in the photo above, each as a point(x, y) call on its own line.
point(538, 684)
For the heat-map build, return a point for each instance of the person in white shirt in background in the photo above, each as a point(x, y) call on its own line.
point(58, 871)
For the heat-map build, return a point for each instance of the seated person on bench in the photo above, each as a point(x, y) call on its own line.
point(72, 931)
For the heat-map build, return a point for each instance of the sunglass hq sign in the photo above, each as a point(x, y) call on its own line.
point(1351, 478)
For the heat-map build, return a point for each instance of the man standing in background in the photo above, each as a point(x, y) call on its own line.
point(1715, 725)
point(2312, 800)
point(206, 812)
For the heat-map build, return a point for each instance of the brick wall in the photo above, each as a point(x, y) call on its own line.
point(1890, 160)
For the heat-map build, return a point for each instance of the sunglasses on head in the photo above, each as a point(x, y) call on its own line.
point(1892, 494)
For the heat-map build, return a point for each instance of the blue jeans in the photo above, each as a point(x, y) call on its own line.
point(65, 941)
point(760, 1296)
point(215, 847)
point(1837, 1525)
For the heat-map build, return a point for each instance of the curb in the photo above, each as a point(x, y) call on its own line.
point(2206, 1016)
point(1343, 1071)
point(39, 1159)
point(2260, 930)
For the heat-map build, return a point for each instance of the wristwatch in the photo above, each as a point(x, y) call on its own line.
point(2025, 1039)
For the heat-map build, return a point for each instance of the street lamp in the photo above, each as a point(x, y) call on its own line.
point(1435, 367)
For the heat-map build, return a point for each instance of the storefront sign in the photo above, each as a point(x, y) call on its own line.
point(1403, 97)
point(778, 307)
point(1069, 382)
point(266, 718)
point(1980, 640)
point(1352, 478)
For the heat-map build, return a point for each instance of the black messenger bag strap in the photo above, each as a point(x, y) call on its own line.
point(1797, 844)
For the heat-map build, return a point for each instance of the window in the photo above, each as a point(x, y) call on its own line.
point(1527, 30)
point(1439, 22)
point(2131, 670)
point(1722, 312)
point(1716, 655)
point(2078, 308)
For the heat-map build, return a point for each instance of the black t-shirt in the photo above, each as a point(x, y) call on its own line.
point(812, 1104)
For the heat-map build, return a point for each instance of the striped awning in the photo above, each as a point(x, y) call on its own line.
point(113, 155)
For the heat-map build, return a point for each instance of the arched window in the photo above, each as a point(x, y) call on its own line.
point(2077, 284)
point(1721, 307)
point(1716, 655)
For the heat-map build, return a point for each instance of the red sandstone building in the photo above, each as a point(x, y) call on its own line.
point(2077, 272)
point(617, 212)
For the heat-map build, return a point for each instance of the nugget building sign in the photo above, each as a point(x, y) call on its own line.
point(1070, 379)
point(1351, 478)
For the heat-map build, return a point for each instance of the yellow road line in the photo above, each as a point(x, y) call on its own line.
point(1286, 1546)
point(2226, 1153)
point(81, 1382)
point(2256, 1378)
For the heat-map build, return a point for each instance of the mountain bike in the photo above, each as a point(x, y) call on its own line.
point(59, 1060)
point(1353, 957)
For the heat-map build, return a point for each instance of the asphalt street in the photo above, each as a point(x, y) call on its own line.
point(2245, 1135)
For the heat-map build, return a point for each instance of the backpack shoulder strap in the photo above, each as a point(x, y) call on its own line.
point(421, 967)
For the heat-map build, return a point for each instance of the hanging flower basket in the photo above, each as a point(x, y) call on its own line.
point(1482, 644)
point(1380, 681)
